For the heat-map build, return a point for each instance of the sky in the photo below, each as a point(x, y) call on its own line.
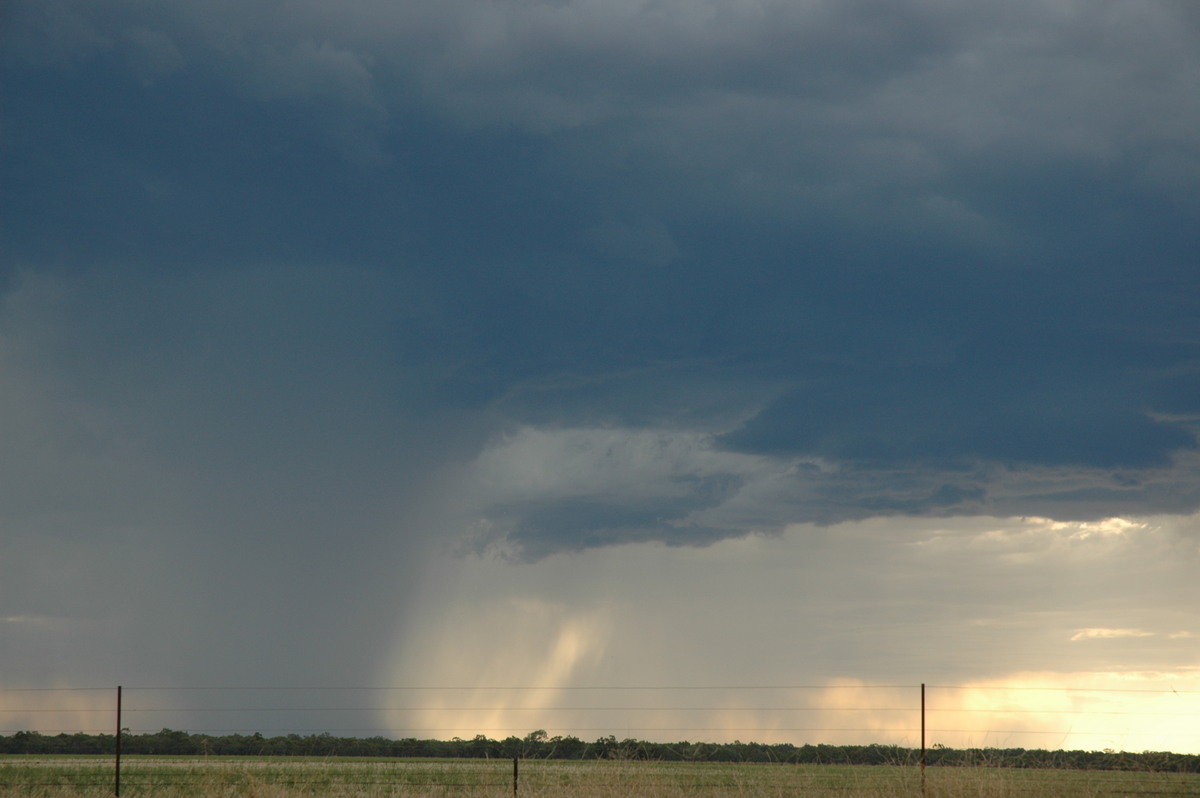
point(599, 345)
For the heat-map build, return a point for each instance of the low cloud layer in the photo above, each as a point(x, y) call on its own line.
point(536, 491)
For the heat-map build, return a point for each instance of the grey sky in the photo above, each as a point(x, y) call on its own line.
point(300, 307)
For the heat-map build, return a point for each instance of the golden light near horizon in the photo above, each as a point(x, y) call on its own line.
point(1090, 712)
point(499, 690)
point(58, 710)
point(548, 682)
point(739, 640)
point(1070, 711)
point(1084, 711)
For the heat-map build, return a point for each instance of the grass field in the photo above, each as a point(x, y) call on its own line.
point(242, 777)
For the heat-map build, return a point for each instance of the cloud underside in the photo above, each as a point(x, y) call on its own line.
point(536, 491)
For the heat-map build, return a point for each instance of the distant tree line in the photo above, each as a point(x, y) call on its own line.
point(539, 745)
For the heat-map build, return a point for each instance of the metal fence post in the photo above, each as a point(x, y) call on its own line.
point(922, 738)
point(117, 763)
point(515, 777)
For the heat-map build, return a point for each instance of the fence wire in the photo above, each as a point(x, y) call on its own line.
point(687, 723)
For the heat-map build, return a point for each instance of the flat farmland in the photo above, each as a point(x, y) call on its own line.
point(280, 777)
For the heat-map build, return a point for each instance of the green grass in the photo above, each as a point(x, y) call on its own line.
point(255, 777)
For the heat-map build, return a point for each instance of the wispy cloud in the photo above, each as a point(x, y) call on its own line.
point(1102, 633)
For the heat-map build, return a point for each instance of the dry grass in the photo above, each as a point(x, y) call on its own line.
point(190, 777)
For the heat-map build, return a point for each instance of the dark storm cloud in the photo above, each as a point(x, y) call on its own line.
point(922, 247)
point(1014, 404)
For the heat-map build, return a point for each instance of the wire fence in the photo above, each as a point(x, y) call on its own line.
point(496, 723)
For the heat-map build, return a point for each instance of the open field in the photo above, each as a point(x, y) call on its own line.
point(238, 777)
